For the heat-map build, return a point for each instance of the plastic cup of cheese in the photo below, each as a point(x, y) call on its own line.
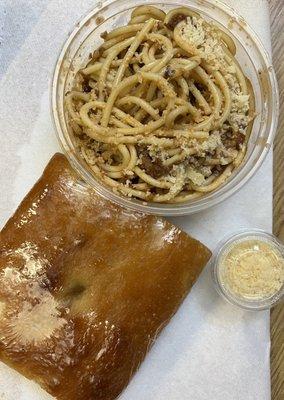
point(248, 269)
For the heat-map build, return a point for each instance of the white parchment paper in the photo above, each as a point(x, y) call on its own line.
point(210, 350)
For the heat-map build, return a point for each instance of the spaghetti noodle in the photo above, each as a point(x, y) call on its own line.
point(162, 111)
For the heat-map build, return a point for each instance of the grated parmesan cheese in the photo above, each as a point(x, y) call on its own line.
point(206, 39)
point(252, 269)
point(196, 177)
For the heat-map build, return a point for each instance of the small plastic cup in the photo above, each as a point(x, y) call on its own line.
point(224, 290)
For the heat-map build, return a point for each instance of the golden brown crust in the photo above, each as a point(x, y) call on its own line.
point(85, 286)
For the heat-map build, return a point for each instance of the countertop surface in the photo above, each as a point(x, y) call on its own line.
point(277, 314)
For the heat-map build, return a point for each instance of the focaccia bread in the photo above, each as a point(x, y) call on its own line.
point(85, 286)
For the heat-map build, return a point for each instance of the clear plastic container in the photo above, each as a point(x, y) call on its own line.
point(251, 55)
point(224, 290)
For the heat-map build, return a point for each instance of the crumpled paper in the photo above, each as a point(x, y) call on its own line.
point(210, 349)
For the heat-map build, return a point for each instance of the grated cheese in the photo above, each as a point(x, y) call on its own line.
point(196, 177)
point(252, 268)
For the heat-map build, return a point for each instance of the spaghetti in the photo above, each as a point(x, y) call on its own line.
point(162, 112)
